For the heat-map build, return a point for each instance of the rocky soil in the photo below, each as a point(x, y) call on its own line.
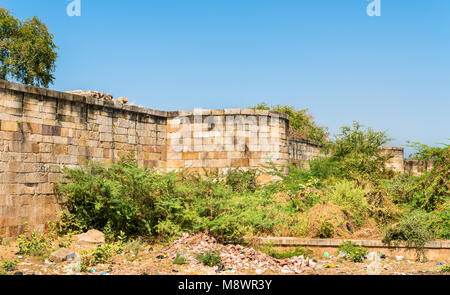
point(235, 259)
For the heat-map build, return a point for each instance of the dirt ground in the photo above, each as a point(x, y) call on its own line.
point(151, 262)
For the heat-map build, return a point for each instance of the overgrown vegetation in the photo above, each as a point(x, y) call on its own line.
point(99, 254)
point(337, 196)
point(9, 265)
point(283, 254)
point(412, 230)
point(209, 258)
point(300, 121)
point(32, 244)
point(352, 251)
point(356, 154)
point(179, 259)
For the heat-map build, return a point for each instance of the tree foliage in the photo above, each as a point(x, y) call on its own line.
point(27, 51)
point(357, 153)
point(425, 152)
point(433, 188)
point(300, 120)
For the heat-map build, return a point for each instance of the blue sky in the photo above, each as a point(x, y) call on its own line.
point(390, 72)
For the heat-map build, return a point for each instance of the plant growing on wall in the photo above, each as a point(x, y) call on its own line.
point(300, 121)
point(27, 51)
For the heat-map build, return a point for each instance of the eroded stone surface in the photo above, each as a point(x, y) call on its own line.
point(91, 237)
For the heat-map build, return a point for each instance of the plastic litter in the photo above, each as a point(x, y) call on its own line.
point(342, 254)
point(318, 267)
point(326, 254)
point(220, 268)
point(331, 266)
point(374, 268)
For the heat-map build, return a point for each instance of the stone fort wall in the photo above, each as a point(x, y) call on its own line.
point(226, 139)
point(43, 130)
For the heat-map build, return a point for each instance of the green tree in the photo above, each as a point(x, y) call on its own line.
point(425, 152)
point(27, 51)
point(358, 154)
point(300, 121)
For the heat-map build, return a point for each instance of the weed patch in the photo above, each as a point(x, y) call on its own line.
point(352, 251)
point(209, 258)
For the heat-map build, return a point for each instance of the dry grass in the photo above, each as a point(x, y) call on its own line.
point(331, 213)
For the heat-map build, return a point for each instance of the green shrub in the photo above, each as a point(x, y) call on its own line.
point(241, 180)
point(139, 201)
point(122, 197)
point(351, 199)
point(98, 255)
point(134, 246)
point(179, 259)
point(401, 188)
point(433, 188)
point(445, 268)
point(32, 244)
point(412, 230)
point(439, 222)
point(8, 265)
point(352, 251)
point(209, 258)
point(425, 152)
point(300, 121)
point(326, 230)
point(299, 251)
point(356, 153)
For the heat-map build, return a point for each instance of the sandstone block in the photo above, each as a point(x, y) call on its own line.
point(240, 162)
point(9, 126)
point(190, 156)
point(93, 236)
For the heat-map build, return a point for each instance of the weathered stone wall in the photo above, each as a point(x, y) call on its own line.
point(416, 167)
point(226, 138)
point(43, 130)
point(396, 163)
point(301, 151)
